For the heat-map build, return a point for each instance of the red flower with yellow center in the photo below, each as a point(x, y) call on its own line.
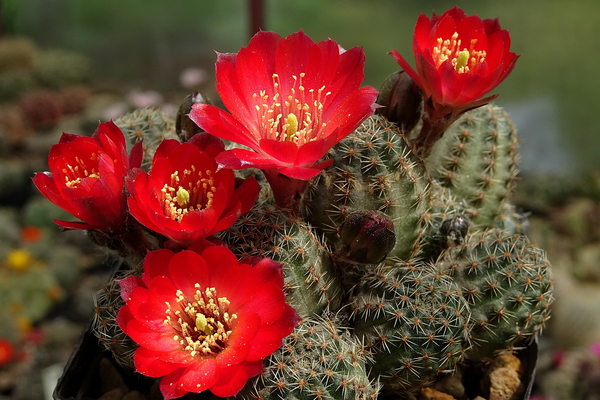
point(86, 177)
point(204, 320)
point(184, 197)
point(290, 100)
point(459, 59)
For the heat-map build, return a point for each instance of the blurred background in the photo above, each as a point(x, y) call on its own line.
point(65, 65)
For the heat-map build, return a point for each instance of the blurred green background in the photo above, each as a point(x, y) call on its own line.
point(147, 43)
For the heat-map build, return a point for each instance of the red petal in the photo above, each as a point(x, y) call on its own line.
point(199, 377)
point(217, 122)
point(268, 301)
point(147, 364)
point(156, 264)
point(269, 339)
point(128, 284)
point(284, 152)
point(136, 155)
point(161, 341)
point(243, 332)
point(242, 158)
point(267, 270)
point(233, 379)
point(406, 67)
point(187, 269)
point(169, 387)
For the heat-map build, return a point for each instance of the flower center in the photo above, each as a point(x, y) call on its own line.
point(192, 192)
point(202, 325)
point(295, 117)
point(463, 59)
point(74, 174)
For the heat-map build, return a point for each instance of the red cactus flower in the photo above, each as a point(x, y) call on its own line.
point(204, 321)
point(458, 60)
point(184, 197)
point(7, 351)
point(86, 177)
point(290, 100)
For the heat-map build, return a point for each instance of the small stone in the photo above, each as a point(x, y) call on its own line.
point(114, 394)
point(134, 395)
point(432, 394)
point(451, 384)
point(504, 375)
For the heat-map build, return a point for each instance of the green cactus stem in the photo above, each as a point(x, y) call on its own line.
point(319, 360)
point(373, 170)
point(508, 284)
point(268, 231)
point(476, 160)
point(415, 322)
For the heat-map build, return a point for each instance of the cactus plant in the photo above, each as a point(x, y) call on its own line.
point(374, 169)
point(477, 160)
point(414, 320)
point(508, 284)
point(319, 360)
point(149, 125)
point(310, 279)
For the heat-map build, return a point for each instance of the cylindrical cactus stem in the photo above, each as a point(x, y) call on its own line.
point(477, 160)
point(149, 125)
point(108, 302)
point(319, 360)
point(446, 222)
point(373, 169)
point(309, 276)
point(508, 284)
point(414, 321)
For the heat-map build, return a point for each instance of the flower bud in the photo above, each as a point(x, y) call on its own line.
point(455, 229)
point(401, 100)
point(184, 126)
point(368, 236)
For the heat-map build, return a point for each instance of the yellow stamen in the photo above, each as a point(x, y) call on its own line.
point(463, 60)
point(295, 115)
point(202, 324)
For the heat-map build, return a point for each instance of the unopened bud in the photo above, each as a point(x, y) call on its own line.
point(368, 236)
point(184, 126)
point(455, 229)
point(401, 100)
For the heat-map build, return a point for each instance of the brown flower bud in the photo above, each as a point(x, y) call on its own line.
point(368, 236)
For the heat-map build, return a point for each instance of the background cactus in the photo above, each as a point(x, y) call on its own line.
point(149, 125)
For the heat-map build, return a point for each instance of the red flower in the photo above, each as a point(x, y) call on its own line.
point(184, 197)
point(204, 321)
point(7, 351)
point(86, 177)
point(290, 100)
point(458, 58)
